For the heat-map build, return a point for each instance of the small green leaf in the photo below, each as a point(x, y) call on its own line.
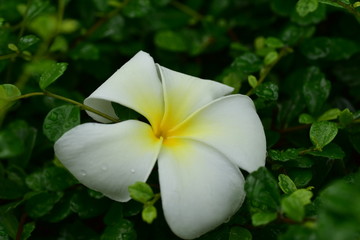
point(346, 117)
point(330, 114)
point(272, 42)
point(141, 192)
point(28, 229)
point(137, 8)
point(42, 203)
point(13, 47)
point(316, 89)
point(86, 206)
point(59, 120)
point(331, 151)
point(283, 156)
point(239, 233)
point(286, 184)
point(8, 93)
point(252, 81)
point(322, 133)
point(121, 230)
point(304, 7)
point(233, 80)
point(271, 57)
point(85, 51)
point(247, 63)
point(268, 91)
point(149, 214)
point(262, 218)
point(262, 192)
point(51, 74)
point(293, 205)
point(305, 118)
point(171, 40)
point(27, 41)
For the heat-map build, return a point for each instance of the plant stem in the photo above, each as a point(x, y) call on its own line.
point(186, 9)
point(349, 8)
point(265, 71)
point(81, 105)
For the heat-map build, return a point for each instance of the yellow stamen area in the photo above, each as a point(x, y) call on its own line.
point(166, 135)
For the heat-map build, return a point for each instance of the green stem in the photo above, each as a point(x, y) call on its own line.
point(349, 8)
point(8, 56)
point(81, 105)
point(186, 9)
point(265, 71)
point(154, 200)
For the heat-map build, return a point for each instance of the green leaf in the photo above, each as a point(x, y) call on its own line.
point(86, 206)
point(85, 51)
point(262, 192)
point(339, 210)
point(286, 184)
point(334, 3)
point(27, 41)
point(283, 156)
point(141, 192)
point(322, 133)
point(301, 177)
point(345, 117)
point(59, 120)
point(293, 205)
point(271, 57)
point(252, 81)
point(316, 89)
point(263, 218)
point(51, 74)
point(8, 93)
point(170, 40)
point(304, 7)
point(11, 145)
point(330, 114)
point(329, 48)
point(10, 189)
point(122, 230)
point(10, 224)
point(305, 118)
point(233, 80)
point(50, 178)
point(137, 8)
point(268, 91)
point(28, 229)
point(299, 232)
point(247, 63)
point(149, 214)
point(115, 214)
point(331, 151)
point(42, 203)
point(273, 42)
point(239, 233)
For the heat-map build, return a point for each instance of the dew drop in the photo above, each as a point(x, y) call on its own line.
point(104, 167)
point(83, 173)
point(132, 171)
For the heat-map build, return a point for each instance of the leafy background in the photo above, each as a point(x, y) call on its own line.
point(298, 60)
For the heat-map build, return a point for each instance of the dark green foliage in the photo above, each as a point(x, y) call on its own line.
point(297, 59)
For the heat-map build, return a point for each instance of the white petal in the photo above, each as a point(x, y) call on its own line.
point(135, 85)
point(109, 157)
point(183, 94)
point(232, 126)
point(200, 187)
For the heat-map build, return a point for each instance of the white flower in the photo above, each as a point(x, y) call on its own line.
point(198, 136)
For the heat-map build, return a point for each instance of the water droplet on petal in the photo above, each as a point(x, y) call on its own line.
point(83, 173)
point(104, 167)
point(132, 171)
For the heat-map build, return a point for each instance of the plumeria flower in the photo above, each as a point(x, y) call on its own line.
point(198, 136)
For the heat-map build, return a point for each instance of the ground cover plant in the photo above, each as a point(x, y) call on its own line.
point(298, 60)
